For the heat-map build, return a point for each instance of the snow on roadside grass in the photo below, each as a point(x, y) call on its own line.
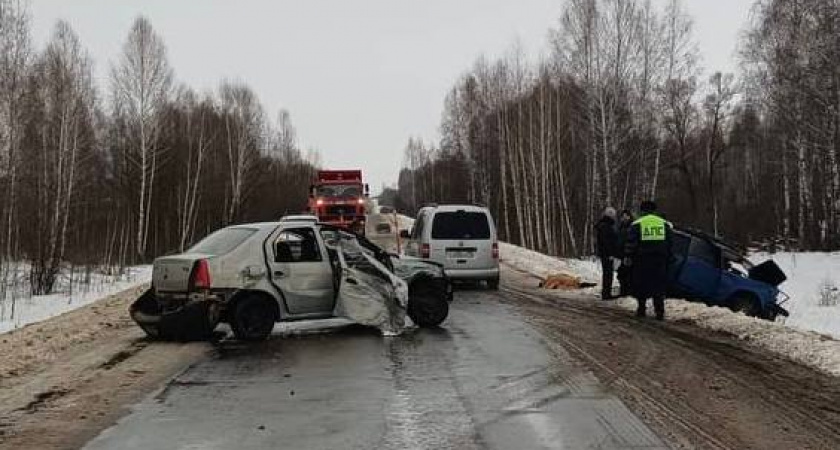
point(542, 265)
point(42, 307)
point(791, 339)
point(807, 274)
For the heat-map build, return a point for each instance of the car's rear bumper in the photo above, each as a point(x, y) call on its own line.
point(182, 319)
point(472, 274)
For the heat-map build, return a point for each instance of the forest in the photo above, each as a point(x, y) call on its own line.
point(619, 109)
point(104, 177)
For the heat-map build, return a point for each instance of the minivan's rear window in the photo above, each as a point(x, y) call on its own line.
point(222, 241)
point(461, 225)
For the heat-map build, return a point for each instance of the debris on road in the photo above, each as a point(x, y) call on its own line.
point(564, 281)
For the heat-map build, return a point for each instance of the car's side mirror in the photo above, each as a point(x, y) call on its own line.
point(404, 234)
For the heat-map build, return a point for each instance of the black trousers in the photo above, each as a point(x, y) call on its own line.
point(658, 307)
point(623, 274)
point(606, 277)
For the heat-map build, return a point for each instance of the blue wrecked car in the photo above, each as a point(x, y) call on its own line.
point(717, 273)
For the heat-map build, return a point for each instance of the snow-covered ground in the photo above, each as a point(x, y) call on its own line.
point(812, 278)
point(543, 265)
point(802, 337)
point(23, 311)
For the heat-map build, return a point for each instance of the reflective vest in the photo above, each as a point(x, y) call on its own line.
point(651, 228)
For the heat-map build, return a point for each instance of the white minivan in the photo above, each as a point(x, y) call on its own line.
point(460, 237)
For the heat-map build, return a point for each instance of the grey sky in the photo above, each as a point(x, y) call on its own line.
point(358, 76)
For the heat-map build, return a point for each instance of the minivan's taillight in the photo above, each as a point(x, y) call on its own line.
point(425, 251)
point(495, 250)
point(200, 278)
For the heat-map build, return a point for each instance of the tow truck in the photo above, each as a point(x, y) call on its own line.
point(339, 198)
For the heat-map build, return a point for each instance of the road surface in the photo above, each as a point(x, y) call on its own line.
point(486, 380)
point(521, 368)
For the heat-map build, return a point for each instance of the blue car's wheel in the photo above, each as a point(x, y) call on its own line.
point(746, 303)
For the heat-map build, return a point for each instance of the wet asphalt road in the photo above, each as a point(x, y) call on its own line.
point(486, 380)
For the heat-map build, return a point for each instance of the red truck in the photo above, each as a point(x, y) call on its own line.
point(338, 197)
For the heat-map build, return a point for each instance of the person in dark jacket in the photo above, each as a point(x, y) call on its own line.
point(647, 251)
point(625, 221)
point(606, 243)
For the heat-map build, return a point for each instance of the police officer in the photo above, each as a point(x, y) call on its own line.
point(647, 251)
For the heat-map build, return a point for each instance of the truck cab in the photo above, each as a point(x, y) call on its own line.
point(339, 198)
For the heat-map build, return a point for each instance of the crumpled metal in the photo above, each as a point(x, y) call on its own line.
point(370, 294)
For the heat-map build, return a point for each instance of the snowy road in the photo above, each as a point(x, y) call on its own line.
point(521, 368)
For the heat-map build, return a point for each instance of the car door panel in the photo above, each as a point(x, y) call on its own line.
point(700, 273)
point(301, 270)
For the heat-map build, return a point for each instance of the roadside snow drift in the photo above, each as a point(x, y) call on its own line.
point(543, 265)
point(16, 313)
point(813, 285)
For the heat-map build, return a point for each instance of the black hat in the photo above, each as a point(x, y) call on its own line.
point(648, 206)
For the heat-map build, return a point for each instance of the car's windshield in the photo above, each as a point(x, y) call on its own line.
point(339, 190)
point(461, 225)
point(222, 241)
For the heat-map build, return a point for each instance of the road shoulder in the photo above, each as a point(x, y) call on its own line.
point(697, 388)
point(68, 377)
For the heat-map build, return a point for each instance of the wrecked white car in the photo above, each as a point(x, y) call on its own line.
point(251, 276)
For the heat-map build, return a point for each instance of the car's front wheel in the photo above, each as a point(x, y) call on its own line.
point(427, 303)
point(745, 303)
point(253, 318)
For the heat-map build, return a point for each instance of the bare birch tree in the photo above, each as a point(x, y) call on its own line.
point(65, 94)
point(243, 135)
point(141, 84)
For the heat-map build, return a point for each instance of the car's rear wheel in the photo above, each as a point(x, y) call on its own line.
point(493, 284)
point(746, 303)
point(253, 318)
point(427, 303)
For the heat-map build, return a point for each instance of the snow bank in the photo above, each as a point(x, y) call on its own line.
point(808, 275)
point(798, 338)
point(542, 265)
point(21, 312)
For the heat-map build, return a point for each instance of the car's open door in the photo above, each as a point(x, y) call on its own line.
point(302, 271)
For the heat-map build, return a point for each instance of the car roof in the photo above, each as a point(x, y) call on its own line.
point(258, 225)
point(299, 218)
point(452, 208)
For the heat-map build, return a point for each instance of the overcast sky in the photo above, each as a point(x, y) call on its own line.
point(358, 76)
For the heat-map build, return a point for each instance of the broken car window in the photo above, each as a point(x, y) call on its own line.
point(297, 245)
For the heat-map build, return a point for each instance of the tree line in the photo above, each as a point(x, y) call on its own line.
point(109, 176)
point(619, 111)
